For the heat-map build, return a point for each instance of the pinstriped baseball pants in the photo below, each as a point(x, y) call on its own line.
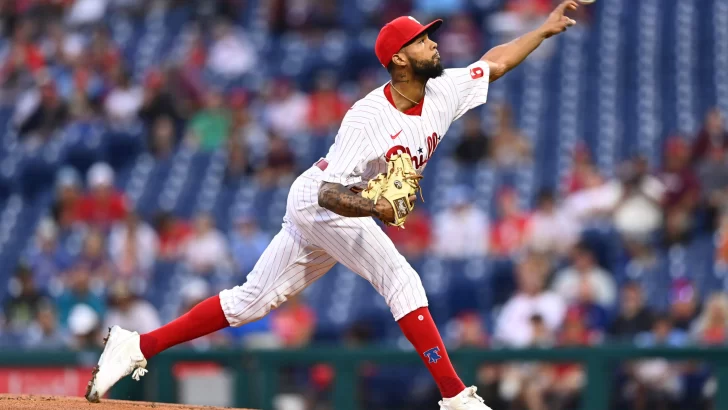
point(312, 240)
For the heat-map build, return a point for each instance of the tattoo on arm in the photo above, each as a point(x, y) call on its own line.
point(341, 200)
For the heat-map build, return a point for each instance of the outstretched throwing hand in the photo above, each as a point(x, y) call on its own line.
point(557, 21)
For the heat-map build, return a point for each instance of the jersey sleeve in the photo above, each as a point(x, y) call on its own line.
point(471, 86)
point(348, 157)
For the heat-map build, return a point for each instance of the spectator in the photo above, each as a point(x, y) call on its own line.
point(568, 379)
point(158, 102)
point(24, 55)
point(711, 327)
point(636, 200)
point(84, 324)
point(246, 131)
point(231, 53)
point(280, 163)
point(129, 311)
point(124, 101)
point(583, 172)
point(67, 201)
point(294, 323)
point(550, 229)
point(468, 330)
point(326, 107)
point(508, 235)
point(209, 128)
point(173, 235)
point(712, 135)
point(474, 144)
point(713, 175)
point(514, 326)
point(459, 41)
point(239, 162)
point(286, 109)
point(593, 199)
point(721, 254)
point(44, 333)
point(47, 259)
point(133, 247)
point(206, 249)
point(105, 55)
point(247, 243)
point(79, 291)
point(461, 230)
point(684, 304)
point(94, 255)
point(682, 190)
point(656, 381)
point(634, 317)
point(162, 138)
point(48, 114)
point(24, 301)
point(103, 205)
point(416, 240)
point(585, 279)
point(510, 148)
point(86, 12)
point(662, 333)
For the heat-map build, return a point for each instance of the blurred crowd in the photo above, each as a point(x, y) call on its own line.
point(93, 257)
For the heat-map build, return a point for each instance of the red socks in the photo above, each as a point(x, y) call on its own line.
point(420, 330)
point(205, 318)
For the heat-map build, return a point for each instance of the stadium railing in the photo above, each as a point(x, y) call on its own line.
point(257, 371)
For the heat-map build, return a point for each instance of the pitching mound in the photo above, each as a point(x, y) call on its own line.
point(79, 403)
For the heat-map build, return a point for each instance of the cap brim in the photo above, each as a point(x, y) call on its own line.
point(429, 29)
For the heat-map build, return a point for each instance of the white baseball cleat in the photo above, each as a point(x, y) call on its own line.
point(466, 400)
point(121, 357)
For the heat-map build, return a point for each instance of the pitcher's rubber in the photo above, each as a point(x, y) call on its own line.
point(9, 401)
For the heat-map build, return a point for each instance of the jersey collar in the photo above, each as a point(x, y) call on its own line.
point(416, 110)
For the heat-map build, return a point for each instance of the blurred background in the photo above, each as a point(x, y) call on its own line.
point(148, 147)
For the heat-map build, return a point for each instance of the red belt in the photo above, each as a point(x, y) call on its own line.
point(322, 164)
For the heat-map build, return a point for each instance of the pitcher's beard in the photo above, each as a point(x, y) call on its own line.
point(427, 69)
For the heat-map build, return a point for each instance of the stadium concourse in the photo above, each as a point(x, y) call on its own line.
point(11, 402)
point(147, 149)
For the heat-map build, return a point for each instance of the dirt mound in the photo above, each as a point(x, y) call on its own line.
point(79, 403)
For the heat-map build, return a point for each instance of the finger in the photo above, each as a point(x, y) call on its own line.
point(412, 198)
point(569, 4)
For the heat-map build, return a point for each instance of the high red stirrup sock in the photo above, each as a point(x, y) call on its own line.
point(205, 318)
point(420, 330)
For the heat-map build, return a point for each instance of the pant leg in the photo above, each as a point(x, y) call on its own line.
point(360, 245)
point(288, 265)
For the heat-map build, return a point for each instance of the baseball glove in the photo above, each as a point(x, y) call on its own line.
point(396, 186)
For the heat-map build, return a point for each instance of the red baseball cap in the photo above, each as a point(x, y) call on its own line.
point(398, 32)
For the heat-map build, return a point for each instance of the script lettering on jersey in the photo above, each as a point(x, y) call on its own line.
point(417, 160)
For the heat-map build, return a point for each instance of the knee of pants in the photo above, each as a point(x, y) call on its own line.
point(410, 296)
point(245, 304)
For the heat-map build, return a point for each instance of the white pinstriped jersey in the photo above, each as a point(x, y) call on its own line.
point(373, 129)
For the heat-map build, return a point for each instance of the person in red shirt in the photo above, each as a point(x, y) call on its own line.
point(102, 205)
point(712, 135)
point(326, 106)
point(682, 189)
point(509, 233)
point(173, 235)
point(294, 323)
point(416, 239)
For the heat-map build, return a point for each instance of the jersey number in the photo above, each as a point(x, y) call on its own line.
point(476, 73)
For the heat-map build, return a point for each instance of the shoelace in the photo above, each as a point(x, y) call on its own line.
point(138, 373)
point(472, 395)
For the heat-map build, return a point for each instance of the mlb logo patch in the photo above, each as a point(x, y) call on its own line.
point(433, 355)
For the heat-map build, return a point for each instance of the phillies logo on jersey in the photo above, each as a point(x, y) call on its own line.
point(417, 160)
point(433, 355)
